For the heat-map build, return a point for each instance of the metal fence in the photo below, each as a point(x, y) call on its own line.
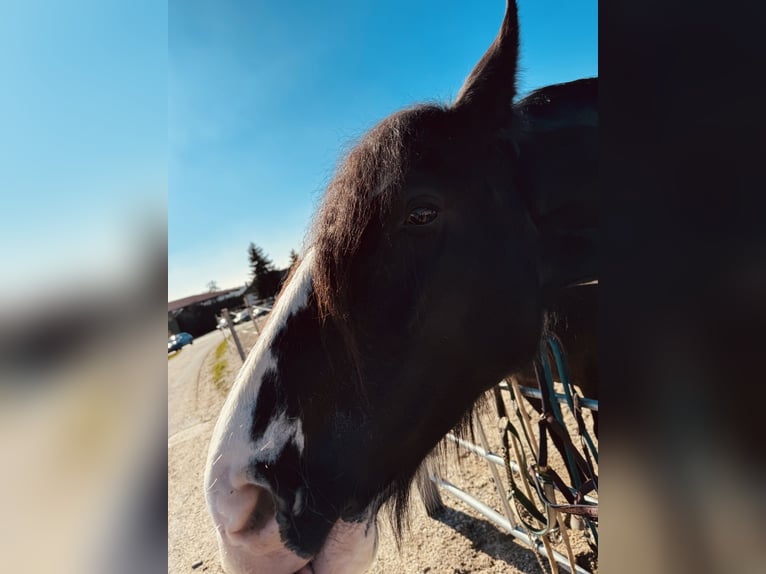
point(550, 521)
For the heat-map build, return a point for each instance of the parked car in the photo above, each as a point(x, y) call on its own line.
point(241, 317)
point(178, 341)
point(261, 311)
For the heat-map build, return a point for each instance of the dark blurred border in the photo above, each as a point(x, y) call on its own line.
point(682, 312)
point(83, 370)
point(683, 136)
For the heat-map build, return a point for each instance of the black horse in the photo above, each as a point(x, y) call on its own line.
point(443, 239)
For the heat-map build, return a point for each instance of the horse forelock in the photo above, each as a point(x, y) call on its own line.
point(358, 197)
point(359, 194)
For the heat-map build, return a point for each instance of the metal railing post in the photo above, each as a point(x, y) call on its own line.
point(234, 334)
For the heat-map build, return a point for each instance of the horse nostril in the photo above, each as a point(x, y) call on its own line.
point(265, 509)
point(257, 507)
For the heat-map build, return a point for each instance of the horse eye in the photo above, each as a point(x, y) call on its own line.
point(421, 216)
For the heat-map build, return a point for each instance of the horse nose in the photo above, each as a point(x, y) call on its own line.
point(259, 507)
point(244, 509)
point(249, 538)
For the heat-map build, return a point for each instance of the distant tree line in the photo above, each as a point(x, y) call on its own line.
point(265, 282)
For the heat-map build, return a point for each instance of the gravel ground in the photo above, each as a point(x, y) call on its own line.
point(458, 540)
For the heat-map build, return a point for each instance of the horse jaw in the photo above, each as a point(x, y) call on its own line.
point(350, 549)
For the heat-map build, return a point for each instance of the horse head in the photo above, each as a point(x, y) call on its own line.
point(424, 282)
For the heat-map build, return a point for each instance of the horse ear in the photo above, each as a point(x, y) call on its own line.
point(491, 86)
point(557, 171)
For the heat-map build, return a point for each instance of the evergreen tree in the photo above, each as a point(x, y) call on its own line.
point(260, 264)
point(265, 278)
point(293, 258)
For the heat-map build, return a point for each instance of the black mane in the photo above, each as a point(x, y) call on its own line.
point(567, 100)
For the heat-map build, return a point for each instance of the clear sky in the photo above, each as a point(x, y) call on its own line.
point(83, 143)
point(264, 97)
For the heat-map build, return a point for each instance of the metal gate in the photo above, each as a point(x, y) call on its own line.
point(532, 512)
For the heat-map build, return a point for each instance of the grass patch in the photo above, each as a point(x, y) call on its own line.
point(220, 350)
point(174, 355)
point(220, 366)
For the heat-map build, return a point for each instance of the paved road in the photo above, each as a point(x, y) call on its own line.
point(193, 406)
point(183, 376)
point(183, 372)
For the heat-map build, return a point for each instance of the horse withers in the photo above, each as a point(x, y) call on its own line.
point(371, 354)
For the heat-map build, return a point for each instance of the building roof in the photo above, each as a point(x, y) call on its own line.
point(201, 298)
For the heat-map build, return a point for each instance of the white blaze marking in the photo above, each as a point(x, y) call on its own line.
point(231, 446)
point(298, 503)
point(280, 430)
point(349, 547)
point(298, 435)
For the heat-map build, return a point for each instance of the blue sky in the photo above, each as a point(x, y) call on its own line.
point(83, 144)
point(265, 96)
point(227, 118)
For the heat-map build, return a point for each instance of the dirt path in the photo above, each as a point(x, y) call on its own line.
point(191, 537)
point(459, 541)
point(184, 370)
